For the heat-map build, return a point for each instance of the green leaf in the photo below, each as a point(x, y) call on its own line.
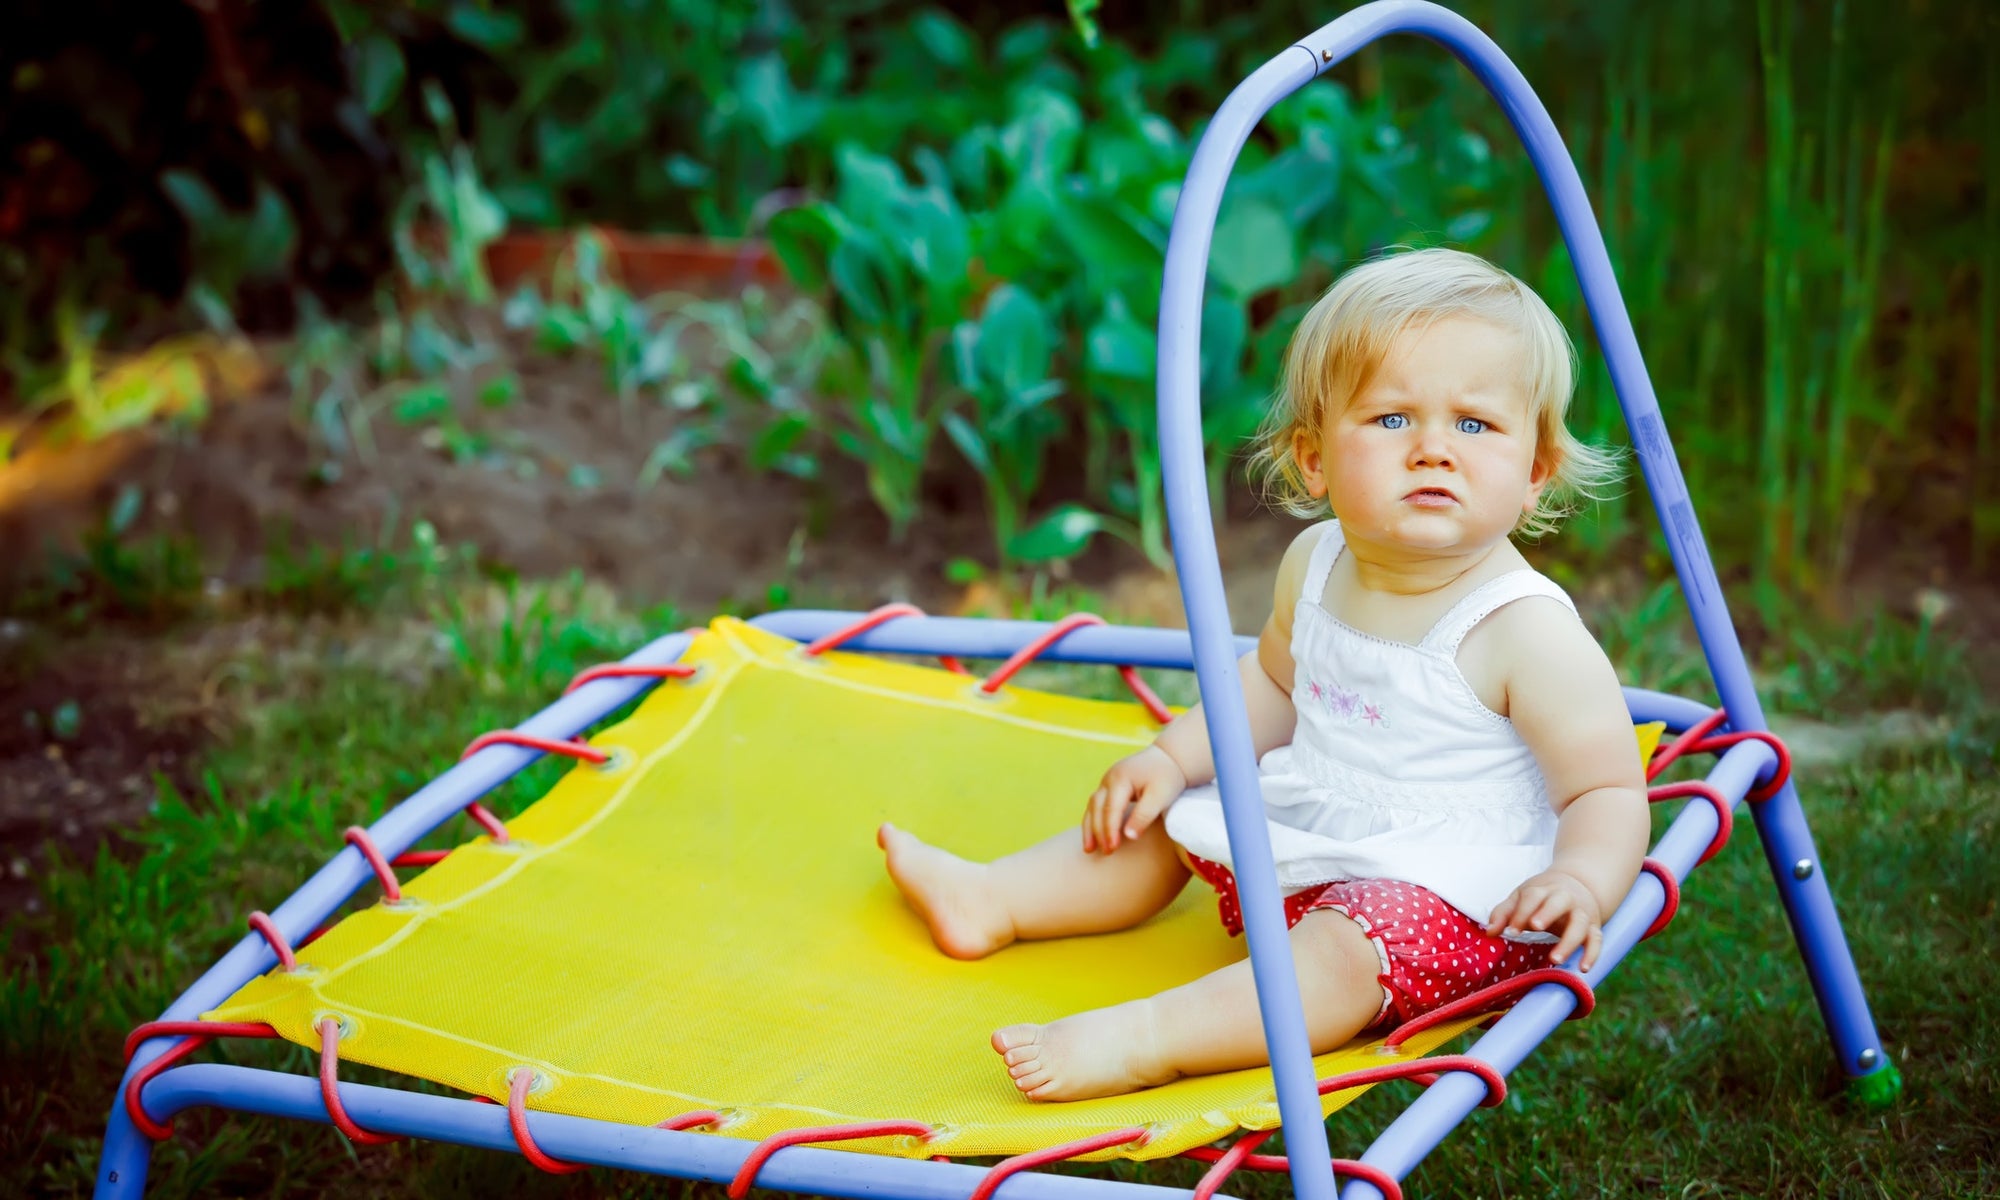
point(423, 403)
point(523, 308)
point(1254, 250)
point(1082, 14)
point(688, 172)
point(865, 281)
point(438, 107)
point(1064, 533)
point(965, 355)
point(1030, 398)
point(192, 195)
point(562, 331)
point(894, 429)
point(1041, 139)
point(1468, 225)
point(484, 27)
point(1117, 347)
point(969, 443)
point(803, 239)
point(675, 455)
point(125, 508)
point(1018, 240)
point(771, 105)
point(1109, 236)
point(964, 571)
point(66, 721)
point(1225, 327)
point(378, 72)
point(870, 186)
point(500, 391)
point(939, 245)
point(972, 160)
point(1016, 340)
point(777, 440)
point(1128, 166)
point(269, 236)
point(1025, 43)
point(948, 43)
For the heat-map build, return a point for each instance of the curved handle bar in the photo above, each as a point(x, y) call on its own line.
point(1189, 519)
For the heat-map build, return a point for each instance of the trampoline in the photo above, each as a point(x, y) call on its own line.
point(686, 959)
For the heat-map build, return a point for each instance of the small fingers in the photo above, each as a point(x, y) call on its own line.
point(1149, 804)
point(1574, 934)
point(1517, 909)
point(1550, 911)
point(1593, 945)
point(1119, 796)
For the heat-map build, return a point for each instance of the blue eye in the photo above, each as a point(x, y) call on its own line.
point(1471, 425)
point(1393, 421)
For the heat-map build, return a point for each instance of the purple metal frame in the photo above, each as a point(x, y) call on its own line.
point(1781, 823)
point(122, 1170)
point(1211, 650)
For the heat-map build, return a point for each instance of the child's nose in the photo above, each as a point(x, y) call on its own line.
point(1432, 448)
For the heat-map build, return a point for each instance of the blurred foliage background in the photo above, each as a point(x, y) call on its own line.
point(1802, 201)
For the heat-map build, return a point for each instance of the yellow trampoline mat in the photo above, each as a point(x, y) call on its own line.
point(705, 922)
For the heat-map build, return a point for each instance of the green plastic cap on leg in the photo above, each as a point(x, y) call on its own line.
point(1878, 1089)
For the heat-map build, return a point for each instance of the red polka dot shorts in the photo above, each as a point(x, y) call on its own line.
point(1431, 953)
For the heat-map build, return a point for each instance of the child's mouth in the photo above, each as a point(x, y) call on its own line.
point(1431, 498)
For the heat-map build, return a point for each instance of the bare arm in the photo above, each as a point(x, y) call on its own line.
point(1272, 719)
point(1138, 788)
point(1564, 700)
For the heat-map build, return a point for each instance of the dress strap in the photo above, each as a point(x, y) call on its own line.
point(1480, 603)
point(1320, 565)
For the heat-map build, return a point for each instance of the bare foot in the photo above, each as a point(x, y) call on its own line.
point(1103, 1052)
point(949, 893)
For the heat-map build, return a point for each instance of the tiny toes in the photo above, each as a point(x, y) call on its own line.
point(1013, 1037)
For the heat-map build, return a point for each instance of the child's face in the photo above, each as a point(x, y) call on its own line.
point(1437, 453)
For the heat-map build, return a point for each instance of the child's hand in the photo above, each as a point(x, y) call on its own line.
point(1549, 901)
point(1135, 791)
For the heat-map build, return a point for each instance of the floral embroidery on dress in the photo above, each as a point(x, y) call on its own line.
point(1345, 705)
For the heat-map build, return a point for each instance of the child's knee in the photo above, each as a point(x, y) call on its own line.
point(1340, 976)
point(1336, 944)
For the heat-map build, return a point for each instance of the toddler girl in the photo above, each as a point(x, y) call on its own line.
point(1447, 763)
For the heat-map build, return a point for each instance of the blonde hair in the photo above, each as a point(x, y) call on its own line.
point(1345, 337)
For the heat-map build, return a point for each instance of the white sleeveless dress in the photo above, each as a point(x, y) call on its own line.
point(1397, 770)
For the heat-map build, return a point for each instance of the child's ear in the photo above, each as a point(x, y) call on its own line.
point(1539, 476)
point(1305, 452)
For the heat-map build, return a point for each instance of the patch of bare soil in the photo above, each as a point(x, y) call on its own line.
point(545, 484)
point(93, 727)
point(541, 487)
point(86, 737)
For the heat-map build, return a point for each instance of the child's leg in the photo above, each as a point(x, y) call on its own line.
point(1051, 889)
point(1199, 1028)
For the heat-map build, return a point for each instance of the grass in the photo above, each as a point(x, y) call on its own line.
point(1705, 1073)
